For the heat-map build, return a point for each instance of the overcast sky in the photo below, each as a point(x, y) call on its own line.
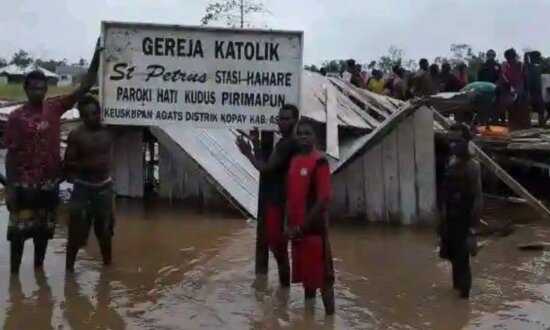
point(358, 29)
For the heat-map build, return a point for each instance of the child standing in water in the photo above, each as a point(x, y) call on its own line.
point(308, 196)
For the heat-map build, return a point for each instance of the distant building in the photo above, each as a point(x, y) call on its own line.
point(16, 74)
point(69, 74)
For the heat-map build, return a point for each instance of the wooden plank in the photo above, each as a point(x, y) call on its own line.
point(339, 202)
point(529, 146)
point(128, 163)
point(525, 162)
point(120, 167)
point(366, 142)
point(134, 145)
point(331, 108)
point(374, 184)
point(165, 179)
point(425, 165)
point(352, 93)
point(181, 178)
point(391, 178)
point(355, 189)
point(262, 249)
point(500, 173)
point(407, 173)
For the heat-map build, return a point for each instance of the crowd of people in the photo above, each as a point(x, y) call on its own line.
point(507, 92)
point(295, 177)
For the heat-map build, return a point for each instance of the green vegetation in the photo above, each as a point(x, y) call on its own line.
point(14, 92)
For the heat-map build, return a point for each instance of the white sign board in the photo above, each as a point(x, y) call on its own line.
point(194, 76)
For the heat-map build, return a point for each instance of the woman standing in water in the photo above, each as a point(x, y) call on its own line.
point(308, 195)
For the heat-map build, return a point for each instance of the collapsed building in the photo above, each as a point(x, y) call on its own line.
point(381, 153)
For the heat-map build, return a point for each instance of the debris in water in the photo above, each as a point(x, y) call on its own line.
point(163, 269)
point(534, 246)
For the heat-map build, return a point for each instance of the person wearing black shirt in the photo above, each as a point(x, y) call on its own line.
point(534, 84)
point(463, 205)
point(273, 173)
point(490, 70)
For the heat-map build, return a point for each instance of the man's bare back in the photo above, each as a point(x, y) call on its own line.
point(89, 154)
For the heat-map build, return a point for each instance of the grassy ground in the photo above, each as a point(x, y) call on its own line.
point(14, 92)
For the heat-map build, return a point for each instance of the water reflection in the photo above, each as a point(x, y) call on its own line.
point(34, 312)
point(177, 270)
point(81, 313)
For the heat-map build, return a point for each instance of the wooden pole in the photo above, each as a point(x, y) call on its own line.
point(242, 14)
point(262, 249)
point(492, 166)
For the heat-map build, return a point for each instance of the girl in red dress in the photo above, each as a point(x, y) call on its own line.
point(308, 196)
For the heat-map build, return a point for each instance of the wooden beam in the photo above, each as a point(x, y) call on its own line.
point(350, 92)
point(492, 166)
point(331, 108)
point(262, 249)
point(374, 137)
point(526, 162)
point(514, 200)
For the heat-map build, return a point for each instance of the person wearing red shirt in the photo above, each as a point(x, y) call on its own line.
point(308, 196)
point(33, 164)
point(513, 94)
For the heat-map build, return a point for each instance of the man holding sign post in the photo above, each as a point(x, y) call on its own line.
point(165, 75)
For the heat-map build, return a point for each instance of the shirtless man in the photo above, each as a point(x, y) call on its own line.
point(464, 205)
point(87, 162)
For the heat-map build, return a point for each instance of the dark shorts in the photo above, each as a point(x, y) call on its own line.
point(33, 214)
point(91, 205)
point(24, 224)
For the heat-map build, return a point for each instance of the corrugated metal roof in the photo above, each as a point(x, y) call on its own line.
point(13, 69)
point(216, 152)
point(313, 103)
point(70, 69)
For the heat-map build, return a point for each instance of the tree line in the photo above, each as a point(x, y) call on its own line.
point(23, 58)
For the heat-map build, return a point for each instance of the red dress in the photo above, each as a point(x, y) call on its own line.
point(513, 76)
point(309, 181)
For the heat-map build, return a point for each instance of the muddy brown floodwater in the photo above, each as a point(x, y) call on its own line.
point(180, 270)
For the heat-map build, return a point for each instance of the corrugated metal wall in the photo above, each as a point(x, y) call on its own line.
point(182, 179)
point(128, 163)
point(394, 181)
